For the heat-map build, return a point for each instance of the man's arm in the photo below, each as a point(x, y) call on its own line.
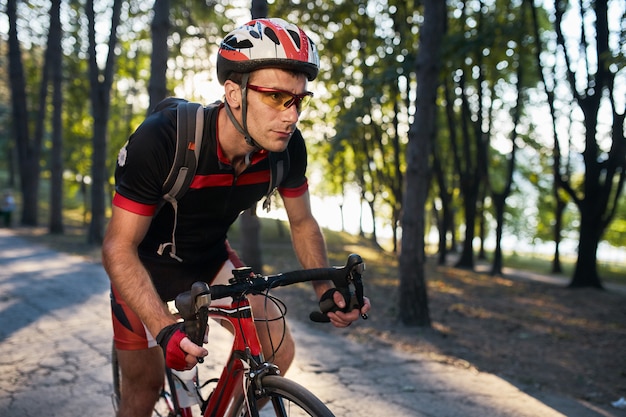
point(308, 241)
point(310, 248)
point(131, 279)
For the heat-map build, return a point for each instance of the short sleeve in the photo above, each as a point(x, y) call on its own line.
point(295, 183)
point(145, 160)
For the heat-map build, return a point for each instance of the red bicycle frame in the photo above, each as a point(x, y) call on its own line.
point(230, 390)
point(242, 377)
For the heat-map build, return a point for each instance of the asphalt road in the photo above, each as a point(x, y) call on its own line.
point(55, 339)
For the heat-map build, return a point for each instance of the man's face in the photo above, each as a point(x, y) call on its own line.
point(270, 123)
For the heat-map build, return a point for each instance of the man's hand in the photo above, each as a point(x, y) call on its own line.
point(341, 319)
point(180, 352)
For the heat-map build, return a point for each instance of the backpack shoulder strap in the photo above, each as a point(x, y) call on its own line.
point(279, 167)
point(189, 132)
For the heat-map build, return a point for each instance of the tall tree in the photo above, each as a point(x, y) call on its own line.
point(100, 92)
point(547, 76)
point(592, 83)
point(157, 87)
point(499, 196)
point(56, 158)
point(501, 184)
point(481, 69)
point(250, 225)
point(28, 146)
point(469, 152)
point(443, 203)
point(365, 107)
point(413, 308)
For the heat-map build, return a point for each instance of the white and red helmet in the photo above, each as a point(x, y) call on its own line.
point(267, 43)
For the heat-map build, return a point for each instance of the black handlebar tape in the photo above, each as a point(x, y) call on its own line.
point(336, 275)
point(341, 277)
point(319, 317)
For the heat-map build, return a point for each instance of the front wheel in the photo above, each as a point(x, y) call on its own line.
point(289, 399)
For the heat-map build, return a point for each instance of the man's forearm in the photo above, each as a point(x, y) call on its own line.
point(132, 281)
point(309, 245)
point(310, 248)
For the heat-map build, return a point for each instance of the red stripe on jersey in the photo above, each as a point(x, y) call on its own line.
point(226, 180)
point(133, 206)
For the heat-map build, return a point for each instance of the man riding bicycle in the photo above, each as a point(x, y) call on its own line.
point(264, 67)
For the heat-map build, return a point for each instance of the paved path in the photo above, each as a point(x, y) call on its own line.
point(55, 343)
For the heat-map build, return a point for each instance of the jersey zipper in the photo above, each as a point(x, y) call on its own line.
point(247, 161)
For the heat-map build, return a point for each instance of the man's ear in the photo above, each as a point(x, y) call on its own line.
point(232, 94)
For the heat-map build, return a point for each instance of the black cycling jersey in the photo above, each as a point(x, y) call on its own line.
point(213, 202)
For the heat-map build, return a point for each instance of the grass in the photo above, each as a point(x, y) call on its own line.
point(609, 271)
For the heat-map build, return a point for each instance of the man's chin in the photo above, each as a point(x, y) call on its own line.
point(277, 145)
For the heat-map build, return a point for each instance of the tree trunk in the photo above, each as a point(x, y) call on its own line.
point(469, 163)
point(586, 270)
point(413, 296)
point(28, 148)
point(496, 267)
point(556, 167)
point(398, 176)
point(56, 158)
point(482, 229)
point(499, 198)
point(157, 87)
point(444, 216)
point(604, 172)
point(558, 226)
point(374, 235)
point(100, 85)
point(466, 260)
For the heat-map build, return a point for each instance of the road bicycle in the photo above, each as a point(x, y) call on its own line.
point(248, 381)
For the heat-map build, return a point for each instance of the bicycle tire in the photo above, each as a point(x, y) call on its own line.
point(288, 399)
point(115, 369)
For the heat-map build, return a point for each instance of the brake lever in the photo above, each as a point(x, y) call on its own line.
point(355, 300)
point(193, 309)
point(357, 281)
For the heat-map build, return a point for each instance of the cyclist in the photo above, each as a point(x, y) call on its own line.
point(264, 67)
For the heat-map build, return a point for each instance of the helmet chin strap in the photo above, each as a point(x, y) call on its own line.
point(244, 114)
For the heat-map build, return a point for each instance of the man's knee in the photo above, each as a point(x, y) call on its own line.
point(142, 375)
point(144, 366)
point(274, 335)
point(286, 352)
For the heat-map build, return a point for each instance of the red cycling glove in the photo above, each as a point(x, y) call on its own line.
point(169, 338)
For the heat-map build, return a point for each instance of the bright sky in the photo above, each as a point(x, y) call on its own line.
point(328, 214)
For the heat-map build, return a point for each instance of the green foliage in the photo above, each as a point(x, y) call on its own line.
point(367, 78)
point(616, 233)
point(357, 128)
